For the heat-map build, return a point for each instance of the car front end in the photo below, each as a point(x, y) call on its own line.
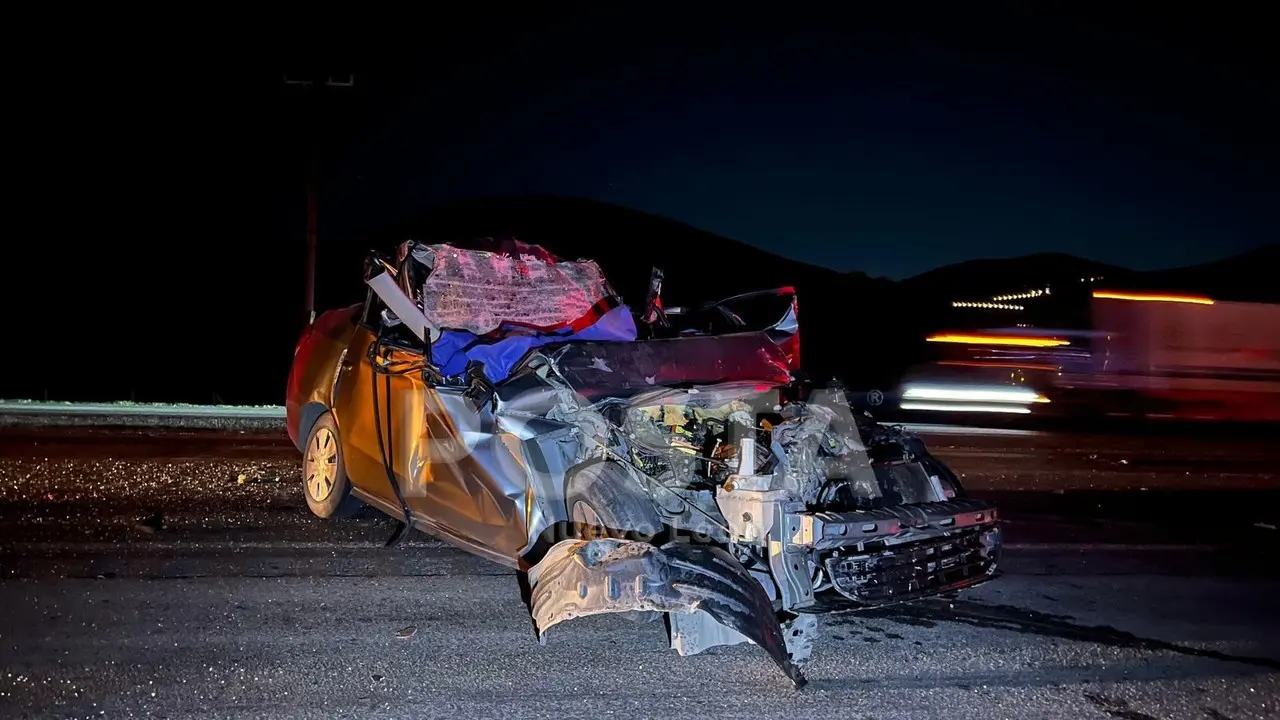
point(823, 509)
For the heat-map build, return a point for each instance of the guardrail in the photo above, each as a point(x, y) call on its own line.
point(244, 417)
point(129, 414)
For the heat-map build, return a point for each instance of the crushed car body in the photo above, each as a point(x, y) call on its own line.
point(651, 461)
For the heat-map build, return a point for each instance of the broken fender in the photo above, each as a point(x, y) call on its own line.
point(589, 577)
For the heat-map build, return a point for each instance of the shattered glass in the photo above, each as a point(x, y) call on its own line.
point(479, 291)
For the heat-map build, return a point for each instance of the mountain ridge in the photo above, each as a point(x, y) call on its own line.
point(574, 227)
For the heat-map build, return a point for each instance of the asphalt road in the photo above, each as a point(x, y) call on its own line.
point(180, 575)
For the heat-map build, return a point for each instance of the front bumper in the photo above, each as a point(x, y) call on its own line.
point(916, 569)
point(904, 553)
point(877, 557)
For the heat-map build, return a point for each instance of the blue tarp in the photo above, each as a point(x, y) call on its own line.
point(451, 353)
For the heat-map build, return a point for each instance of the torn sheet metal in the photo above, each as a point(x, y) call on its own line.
point(404, 308)
point(694, 632)
point(590, 577)
point(800, 632)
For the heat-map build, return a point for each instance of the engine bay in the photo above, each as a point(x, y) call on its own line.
point(827, 456)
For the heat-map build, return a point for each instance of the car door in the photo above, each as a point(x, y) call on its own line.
point(469, 474)
point(460, 475)
point(353, 408)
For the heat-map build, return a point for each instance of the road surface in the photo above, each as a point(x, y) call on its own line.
point(179, 574)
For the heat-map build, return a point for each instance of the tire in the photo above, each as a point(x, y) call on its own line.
point(620, 508)
point(324, 476)
point(603, 500)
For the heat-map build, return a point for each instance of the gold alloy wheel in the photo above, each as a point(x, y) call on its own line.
point(320, 465)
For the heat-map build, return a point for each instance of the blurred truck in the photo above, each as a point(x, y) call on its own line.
point(1181, 356)
point(1145, 354)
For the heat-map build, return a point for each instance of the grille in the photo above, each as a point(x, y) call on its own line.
point(916, 569)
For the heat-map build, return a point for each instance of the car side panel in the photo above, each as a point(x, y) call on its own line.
point(468, 472)
point(463, 478)
point(315, 364)
point(353, 409)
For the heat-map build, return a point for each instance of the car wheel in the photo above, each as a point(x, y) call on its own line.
point(324, 477)
point(603, 501)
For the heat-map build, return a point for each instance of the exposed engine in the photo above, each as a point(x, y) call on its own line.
point(824, 455)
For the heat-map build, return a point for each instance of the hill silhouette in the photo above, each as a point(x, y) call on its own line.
point(1248, 277)
point(984, 278)
point(625, 242)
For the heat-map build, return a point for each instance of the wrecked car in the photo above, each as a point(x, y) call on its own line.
point(648, 461)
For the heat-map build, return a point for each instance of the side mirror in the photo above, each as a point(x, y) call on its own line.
point(375, 264)
point(653, 312)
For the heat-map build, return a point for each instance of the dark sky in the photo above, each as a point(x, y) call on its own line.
point(887, 144)
point(856, 143)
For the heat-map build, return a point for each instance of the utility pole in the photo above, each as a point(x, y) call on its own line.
point(313, 84)
point(313, 177)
